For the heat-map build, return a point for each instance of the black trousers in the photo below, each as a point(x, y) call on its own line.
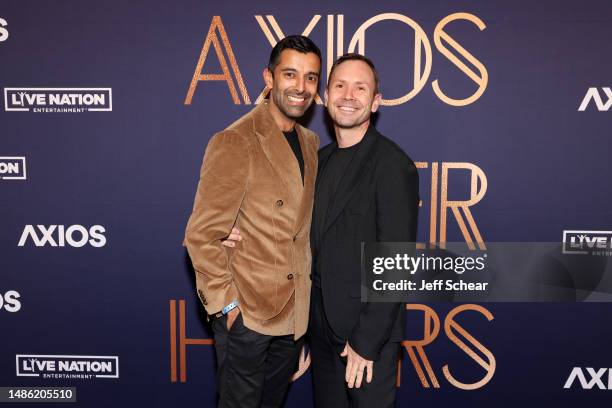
point(253, 369)
point(328, 368)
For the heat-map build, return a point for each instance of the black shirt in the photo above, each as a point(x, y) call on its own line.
point(329, 180)
point(294, 142)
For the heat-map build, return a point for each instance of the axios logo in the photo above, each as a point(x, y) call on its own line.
point(70, 367)
point(12, 168)
point(422, 58)
point(594, 95)
point(587, 242)
point(4, 34)
point(596, 378)
point(59, 236)
point(10, 301)
point(52, 100)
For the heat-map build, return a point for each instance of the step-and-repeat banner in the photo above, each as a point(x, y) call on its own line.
point(106, 110)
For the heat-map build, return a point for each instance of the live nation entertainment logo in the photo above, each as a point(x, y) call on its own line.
point(587, 242)
point(58, 100)
point(67, 366)
point(12, 168)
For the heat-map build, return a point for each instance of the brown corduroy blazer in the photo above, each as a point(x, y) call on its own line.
point(251, 179)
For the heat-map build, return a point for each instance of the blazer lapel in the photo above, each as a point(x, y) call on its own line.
point(310, 159)
point(279, 153)
point(352, 176)
point(324, 155)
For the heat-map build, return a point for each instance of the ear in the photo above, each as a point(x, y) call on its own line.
point(325, 98)
point(376, 102)
point(268, 78)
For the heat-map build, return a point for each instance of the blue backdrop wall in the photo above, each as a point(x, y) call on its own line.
point(107, 108)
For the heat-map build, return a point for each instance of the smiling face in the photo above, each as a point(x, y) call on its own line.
point(293, 85)
point(351, 95)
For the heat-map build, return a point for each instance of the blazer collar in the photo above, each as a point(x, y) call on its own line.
point(282, 159)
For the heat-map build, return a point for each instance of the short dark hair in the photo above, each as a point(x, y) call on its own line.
point(292, 42)
point(353, 56)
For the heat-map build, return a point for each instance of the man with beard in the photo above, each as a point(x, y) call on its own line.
point(367, 191)
point(258, 175)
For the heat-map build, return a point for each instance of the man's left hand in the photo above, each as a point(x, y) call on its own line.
point(355, 365)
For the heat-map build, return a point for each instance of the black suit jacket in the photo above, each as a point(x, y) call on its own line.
point(376, 201)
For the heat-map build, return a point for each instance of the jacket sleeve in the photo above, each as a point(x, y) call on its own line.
point(397, 199)
point(221, 189)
